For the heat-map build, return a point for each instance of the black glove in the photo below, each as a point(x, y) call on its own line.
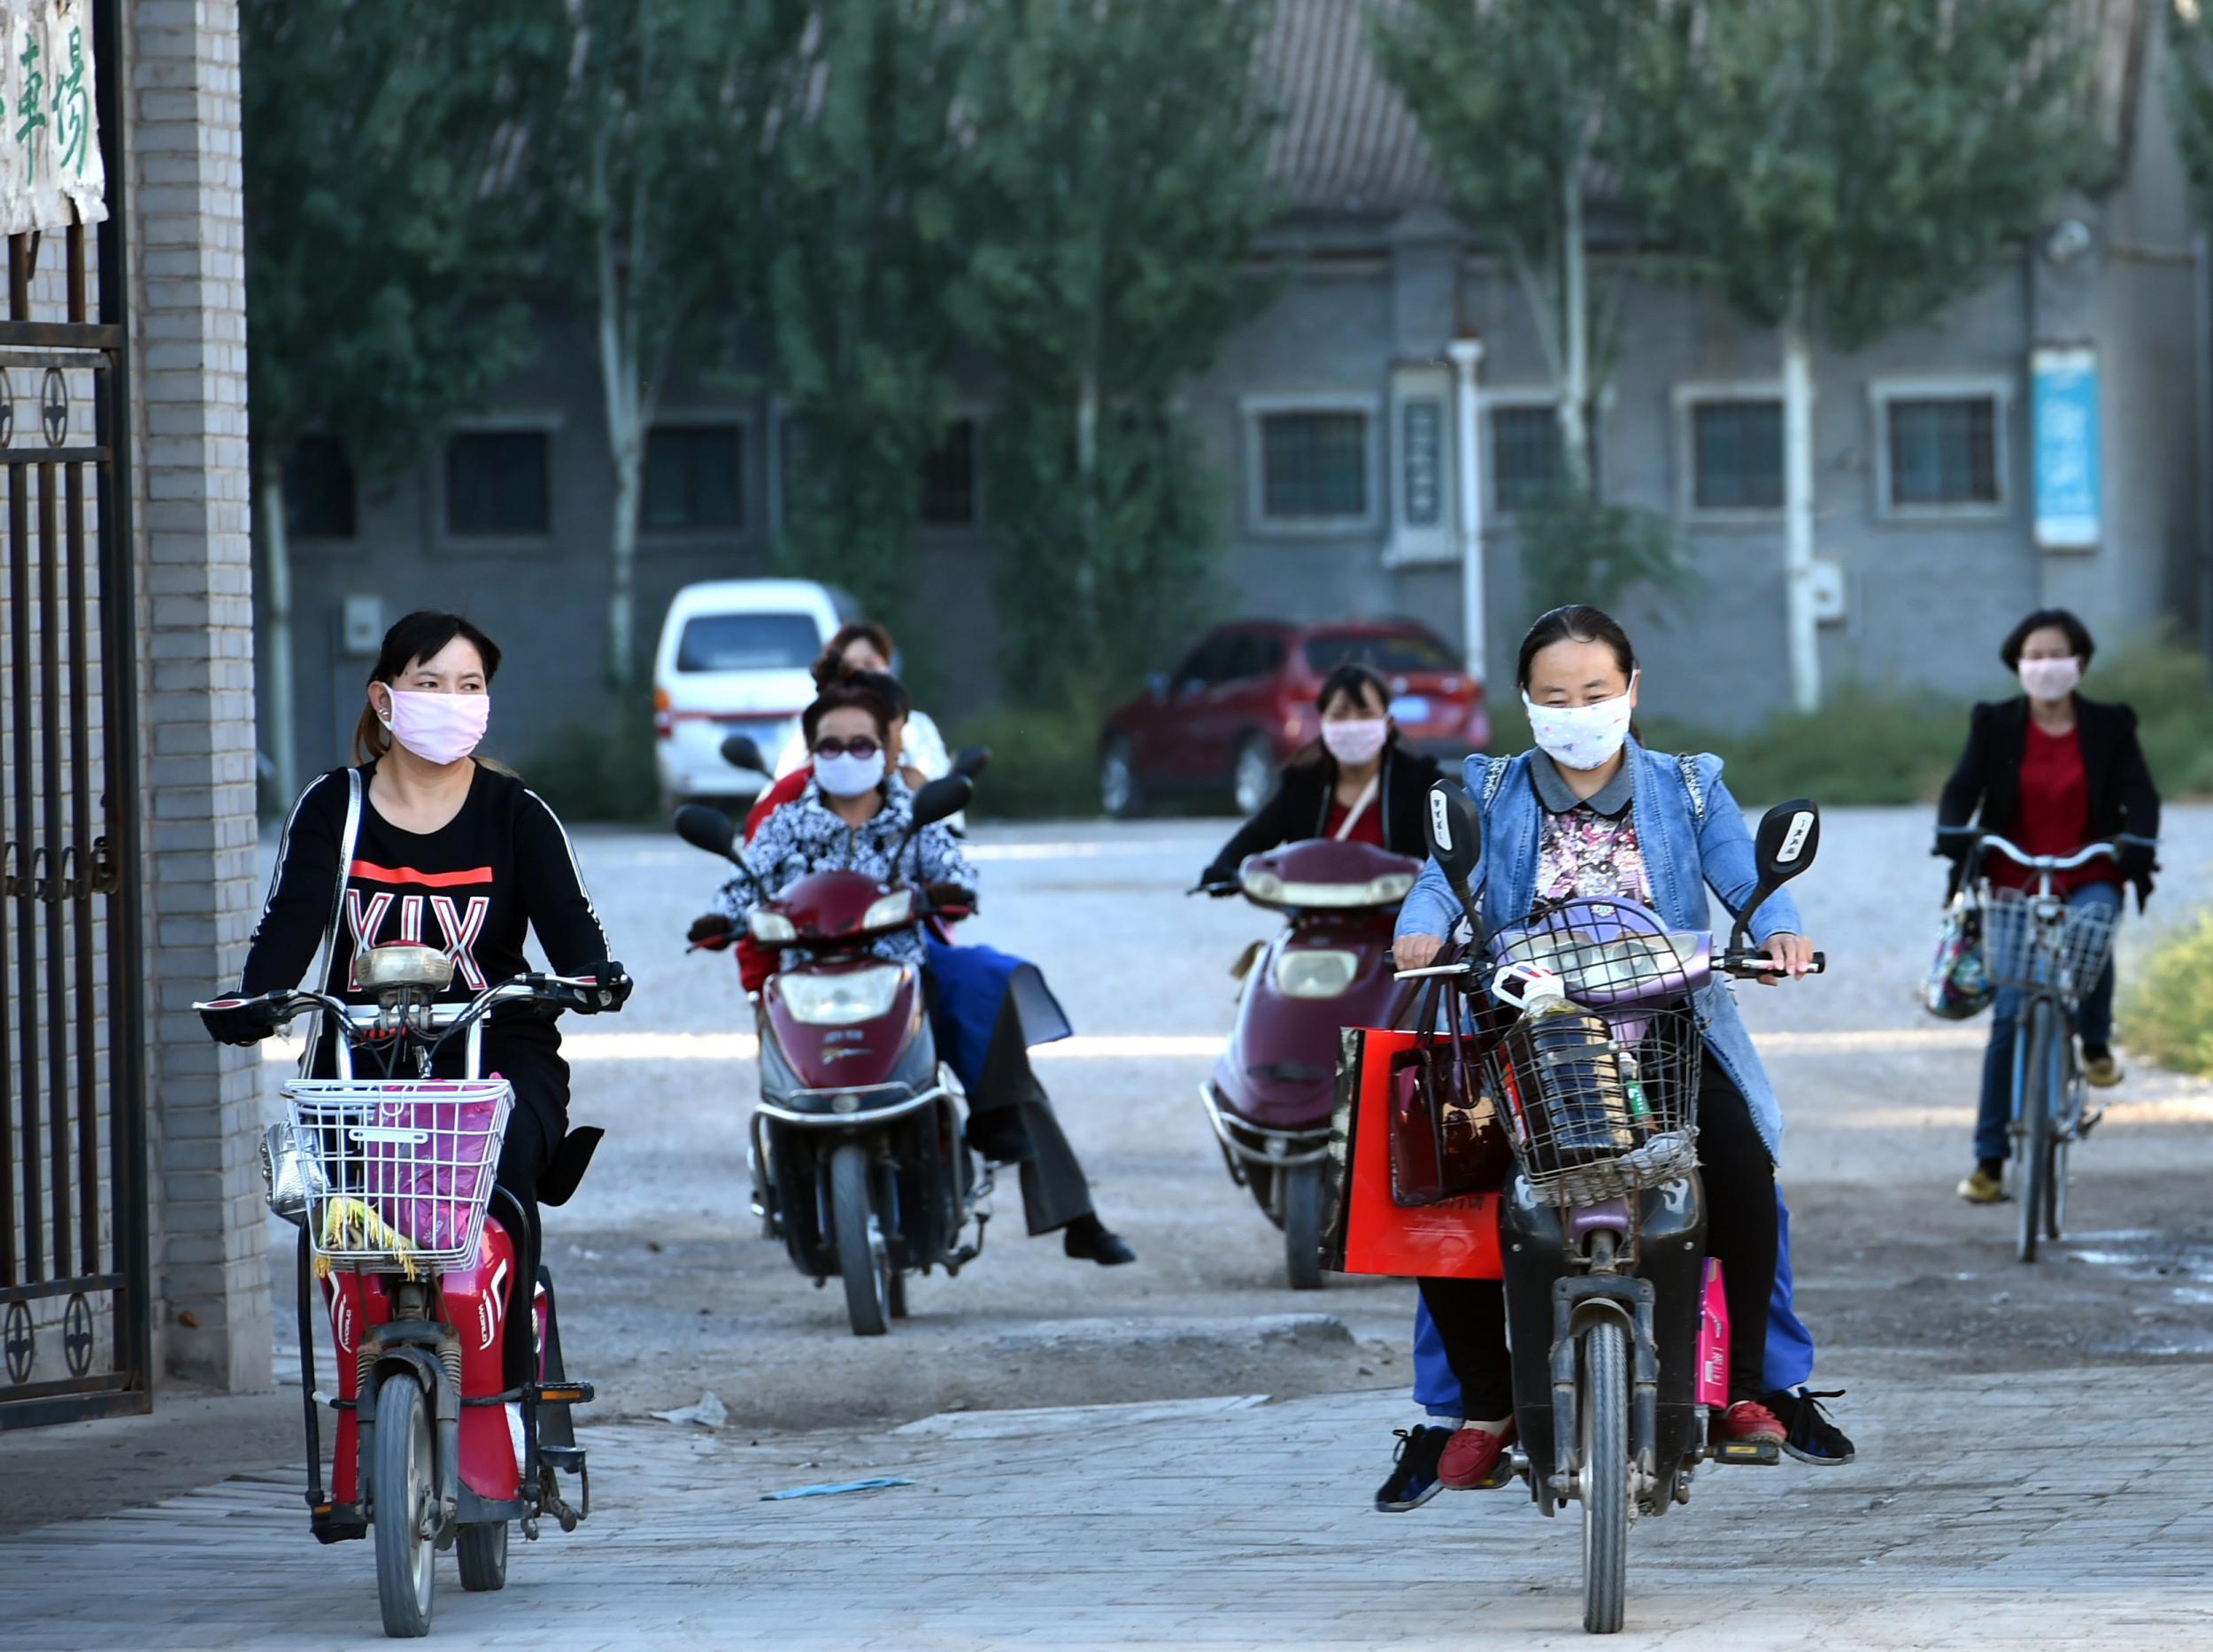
point(243, 1024)
point(611, 991)
point(709, 926)
point(1219, 881)
point(2135, 861)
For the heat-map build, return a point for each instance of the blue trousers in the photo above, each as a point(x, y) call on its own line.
point(2093, 1023)
point(1790, 1346)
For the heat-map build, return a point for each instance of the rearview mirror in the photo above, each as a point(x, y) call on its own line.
point(1455, 834)
point(971, 761)
point(1788, 836)
point(706, 827)
point(941, 799)
point(739, 751)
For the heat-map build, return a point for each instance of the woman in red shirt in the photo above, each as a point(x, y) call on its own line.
point(2049, 771)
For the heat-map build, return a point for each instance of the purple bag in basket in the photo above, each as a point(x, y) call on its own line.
point(429, 1187)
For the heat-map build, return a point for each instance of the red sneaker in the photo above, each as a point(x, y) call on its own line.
point(1470, 1459)
point(1748, 1423)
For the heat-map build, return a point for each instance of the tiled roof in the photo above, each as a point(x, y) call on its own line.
point(1347, 143)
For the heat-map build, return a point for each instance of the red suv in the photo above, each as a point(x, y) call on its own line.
point(1243, 701)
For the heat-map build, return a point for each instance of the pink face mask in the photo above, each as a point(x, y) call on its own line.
point(440, 729)
point(1356, 740)
point(2050, 680)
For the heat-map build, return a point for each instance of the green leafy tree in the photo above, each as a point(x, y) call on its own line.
point(1838, 169)
point(379, 286)
point(647, 126)
point(1526, 106)
point(863, 251)
point(1115, 179)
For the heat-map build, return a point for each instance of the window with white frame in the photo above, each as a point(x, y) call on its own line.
point(1943, 450)
point(1314, 465)
point(1736, 453)
point(1528, 457)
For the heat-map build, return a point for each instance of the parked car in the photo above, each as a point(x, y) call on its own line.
point(733, 659)
point(1242, 701)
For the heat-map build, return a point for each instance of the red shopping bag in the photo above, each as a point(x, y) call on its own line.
point(1388, 1150)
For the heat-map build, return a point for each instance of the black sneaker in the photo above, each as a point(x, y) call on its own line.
point(1811, 1438)
point(1413, 1480)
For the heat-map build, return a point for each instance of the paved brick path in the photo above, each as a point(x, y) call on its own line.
point(2051, 1510)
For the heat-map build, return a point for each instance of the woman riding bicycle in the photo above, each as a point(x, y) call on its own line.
point(1356, 782)
point(987, 1008)
point(2050, 772)
point(1592, 814)
point(450, 851)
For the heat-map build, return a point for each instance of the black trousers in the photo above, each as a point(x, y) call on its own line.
point(1740, 1230)
point(535, 1128)
point(1055, 1191)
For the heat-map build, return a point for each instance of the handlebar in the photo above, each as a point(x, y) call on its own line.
point(2109, 848)
point(1218, 889)
point(291, 1003)
point(1746, 964)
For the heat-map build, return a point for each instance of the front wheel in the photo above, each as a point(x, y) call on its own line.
point(863, 1261)
point(1602, 1435)
point(482, 1552)
point(2036, 1057)
point(406, 1569)
point(1302, 1226)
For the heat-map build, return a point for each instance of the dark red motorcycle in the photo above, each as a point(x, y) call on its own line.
point(1274, 1087)
point(859, 1160)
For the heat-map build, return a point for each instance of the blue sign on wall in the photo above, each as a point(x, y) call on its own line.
point(2070, 484)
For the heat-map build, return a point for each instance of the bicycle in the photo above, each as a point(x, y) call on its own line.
point(2054, 955)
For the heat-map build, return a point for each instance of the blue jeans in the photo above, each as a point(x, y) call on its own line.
point(2094, 1024)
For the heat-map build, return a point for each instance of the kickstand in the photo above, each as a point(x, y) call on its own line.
point(967, 1254)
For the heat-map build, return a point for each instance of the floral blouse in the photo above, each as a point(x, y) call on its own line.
point(1583, 853)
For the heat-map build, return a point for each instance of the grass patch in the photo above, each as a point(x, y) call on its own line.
point(2167, 1011)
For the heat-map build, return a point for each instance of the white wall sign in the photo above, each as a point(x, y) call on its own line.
point(50, 173)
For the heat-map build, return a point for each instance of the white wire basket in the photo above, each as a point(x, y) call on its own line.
point(2025, 944)
point(397, 1174)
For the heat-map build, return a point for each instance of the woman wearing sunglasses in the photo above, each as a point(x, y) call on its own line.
point(987, 1008)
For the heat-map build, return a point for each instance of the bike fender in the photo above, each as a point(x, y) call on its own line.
point(402, 1363)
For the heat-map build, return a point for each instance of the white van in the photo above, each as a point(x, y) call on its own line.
point(733, 659)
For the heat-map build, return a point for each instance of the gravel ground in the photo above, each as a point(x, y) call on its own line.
point(669, 1290)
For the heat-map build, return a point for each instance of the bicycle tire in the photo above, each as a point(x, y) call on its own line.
point(2033, 1073)
point(1603, 1434)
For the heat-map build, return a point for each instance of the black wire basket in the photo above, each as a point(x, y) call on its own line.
point(1598, 1070)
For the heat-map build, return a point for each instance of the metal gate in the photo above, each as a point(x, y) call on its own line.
point(75, 1327)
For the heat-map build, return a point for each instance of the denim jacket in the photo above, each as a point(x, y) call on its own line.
point(1682, 855)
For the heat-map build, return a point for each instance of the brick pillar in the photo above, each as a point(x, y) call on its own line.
point(189, 343)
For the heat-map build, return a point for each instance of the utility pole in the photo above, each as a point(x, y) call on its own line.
point(1467, 354)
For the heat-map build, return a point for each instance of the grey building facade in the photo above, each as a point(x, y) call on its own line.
point(1331, 415)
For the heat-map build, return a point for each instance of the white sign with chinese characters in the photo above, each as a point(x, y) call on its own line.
point(50, 173)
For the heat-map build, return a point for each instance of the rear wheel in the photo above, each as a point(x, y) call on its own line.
point(2035, 1057)
point(482, 1552)
point(1118, 792)
point(1602, 1433)
point(406, 1569)
point(1302, 1226)
point(1253, 774)
point(862, 1260)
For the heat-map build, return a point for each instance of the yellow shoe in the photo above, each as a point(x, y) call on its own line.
point(1981, 1188)
point(2101, 1068)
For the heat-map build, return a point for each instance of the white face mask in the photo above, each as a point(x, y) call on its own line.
point(2050, 680)
point(845, 775)
point(1583, 736)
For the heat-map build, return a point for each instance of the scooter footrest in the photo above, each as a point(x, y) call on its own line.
point(1764, 1453)
point(561, 1393)
point(568, 1459)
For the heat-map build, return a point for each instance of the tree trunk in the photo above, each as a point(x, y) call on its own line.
point(274, 683)
point(1574, 378)
point(1797, 514)
point(625, 442)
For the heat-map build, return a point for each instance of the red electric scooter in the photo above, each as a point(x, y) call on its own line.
point(859, 1156)
point(1274, 1087)
point(389, 1174)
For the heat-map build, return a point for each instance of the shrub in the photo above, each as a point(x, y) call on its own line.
point(1044, 764)
point(599, 769)
point(2167, 1012)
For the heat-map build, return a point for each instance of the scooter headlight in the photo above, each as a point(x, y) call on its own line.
point(1315, 974)
point(888, 912)
point(841, 1000)
point(773, 929)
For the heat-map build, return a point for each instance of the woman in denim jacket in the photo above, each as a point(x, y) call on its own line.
point(1592, 814)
